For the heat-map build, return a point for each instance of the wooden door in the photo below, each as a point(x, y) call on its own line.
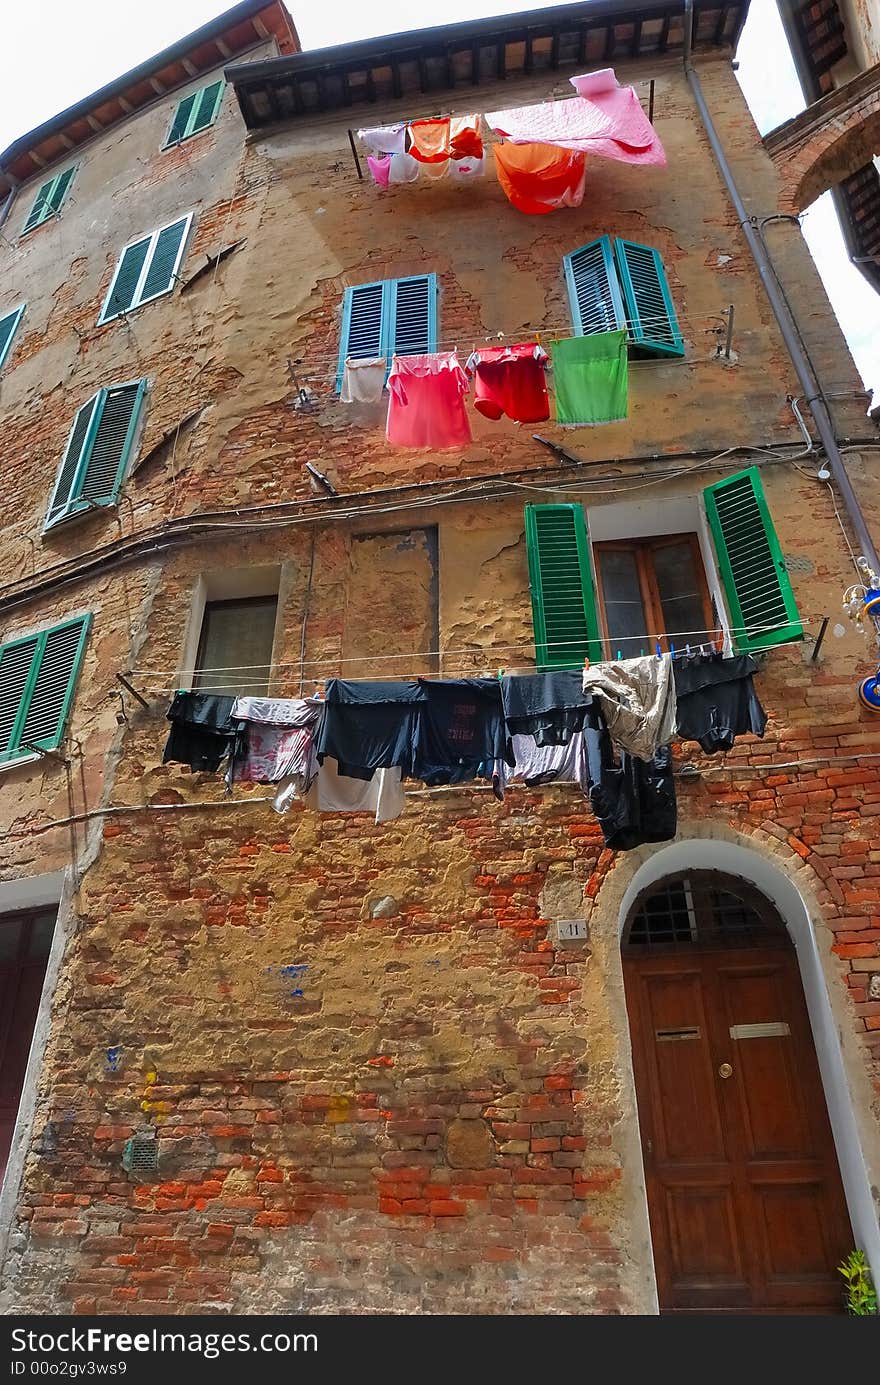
point(744, 1194)
point(24, 950)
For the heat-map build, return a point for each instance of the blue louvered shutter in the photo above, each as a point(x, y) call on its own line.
point(111, 444)
point(164, 260)
point(8, 324)
point(126, 279)
point(412, 315)
point(593, 290)
point(207, 105)
point(564, 612)
point(184, 110)
point(52, 693)
point(751, 563)
point(362, 324)
point(650, 312)
point(69, 470)
point(49, 199)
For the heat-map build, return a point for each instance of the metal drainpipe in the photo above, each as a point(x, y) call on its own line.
point(784, 317)
point(10, 198)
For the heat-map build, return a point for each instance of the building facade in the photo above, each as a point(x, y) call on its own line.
point(309, 1061)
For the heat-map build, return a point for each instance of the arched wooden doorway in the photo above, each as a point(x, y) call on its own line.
point(745, 1200)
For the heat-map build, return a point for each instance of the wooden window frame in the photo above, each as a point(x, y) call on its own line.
point(229, 603)
point(643, 549)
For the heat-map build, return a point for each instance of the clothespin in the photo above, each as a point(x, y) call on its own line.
point(538, 338)
point(671, 650)
point(500, 674)
point(586, 663)
point(619, 656)
point(658, 649)
point(687, 652)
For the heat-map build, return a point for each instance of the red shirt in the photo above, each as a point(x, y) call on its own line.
point(510, 380)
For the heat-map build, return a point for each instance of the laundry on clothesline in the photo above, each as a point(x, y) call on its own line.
point(538, 178)
point(432, 148)
point(363, 379)
point(426, 402)
point(604, 120)
point(591, 379)
point(511, 380)
point(605, 729)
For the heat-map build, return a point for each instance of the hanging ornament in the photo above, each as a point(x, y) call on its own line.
point(869, 692)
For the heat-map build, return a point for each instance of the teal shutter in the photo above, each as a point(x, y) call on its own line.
point(70, 463)
point(37, 680)
point(564, 611)
point(126, 279)
point(98, 451)
point(59, 190)
point(207, 105)
point(750, 561)
point(593, 290)
point(184, 110)
point(650, 312)
point(412, 315)
point(8, 325)
point(362, 324)
point(49, 199)
point(164, 260)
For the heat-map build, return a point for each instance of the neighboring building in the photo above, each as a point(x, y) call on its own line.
point(312, 1062)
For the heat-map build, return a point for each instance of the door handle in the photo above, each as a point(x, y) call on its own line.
point(725, 1070)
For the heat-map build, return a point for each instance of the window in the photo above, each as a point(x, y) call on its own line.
point(49, 199)
point(147, 268)
point(614, 284)
point(195, 113)
point(391, 317)
point(235, 646)
point(25, 940)
point(657, 585)
point(651, 586)
point(8, 324)
point(37, 678)
point(97, 452)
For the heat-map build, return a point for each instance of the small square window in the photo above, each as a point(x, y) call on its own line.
point(654, 590)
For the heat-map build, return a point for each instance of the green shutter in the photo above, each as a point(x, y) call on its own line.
point(206, 108)
point(412, 315)
point(98, 451)
point(8, 325)
point(651, 319)
point(59, 191)
point(37, 680)
point(184, 110)
point(70, 463)
point(164, 260)
point(126, 279)
point(49, 199)
point(566, 622)
point(757, 586)
point(593, 290)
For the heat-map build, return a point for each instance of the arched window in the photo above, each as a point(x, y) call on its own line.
point(701, 909)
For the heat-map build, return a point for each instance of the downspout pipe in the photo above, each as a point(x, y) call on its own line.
point(781, 311)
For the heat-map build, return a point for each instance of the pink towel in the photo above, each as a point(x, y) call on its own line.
point(426, 402)
point(609, 122)
point(380, 168)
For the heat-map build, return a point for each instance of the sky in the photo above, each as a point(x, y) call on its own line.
point(108, 37)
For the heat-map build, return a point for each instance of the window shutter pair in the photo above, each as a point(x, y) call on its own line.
point(97, 451)
point(147, 268)
point(391, 317)
point(756, 584)
point(8, 325)
point(37, 679)
point(623, 284)
point(195, 112)
point(49, 199)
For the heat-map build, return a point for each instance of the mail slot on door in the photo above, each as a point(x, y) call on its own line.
point(668, 1036)
point(773, 1029)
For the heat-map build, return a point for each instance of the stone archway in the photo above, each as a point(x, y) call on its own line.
point(832, 139)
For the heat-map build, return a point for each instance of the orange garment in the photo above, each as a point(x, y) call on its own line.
point(429, 140)
point(539, 178)
point(465, 140)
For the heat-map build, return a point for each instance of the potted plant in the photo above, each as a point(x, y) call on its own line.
point(861, 1296)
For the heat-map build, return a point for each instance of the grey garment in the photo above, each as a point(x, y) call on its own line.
point(278, 711)
point(549, 764)
point(637, 697)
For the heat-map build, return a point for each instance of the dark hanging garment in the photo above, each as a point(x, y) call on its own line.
point(551, 707)
point(461, 731)
point(634, 802)
point(716, 701)
point(369, 726)
point(202, 732)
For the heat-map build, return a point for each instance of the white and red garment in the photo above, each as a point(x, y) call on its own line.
point(279, 740)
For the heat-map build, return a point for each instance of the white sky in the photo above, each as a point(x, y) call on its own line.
point(85, 43)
